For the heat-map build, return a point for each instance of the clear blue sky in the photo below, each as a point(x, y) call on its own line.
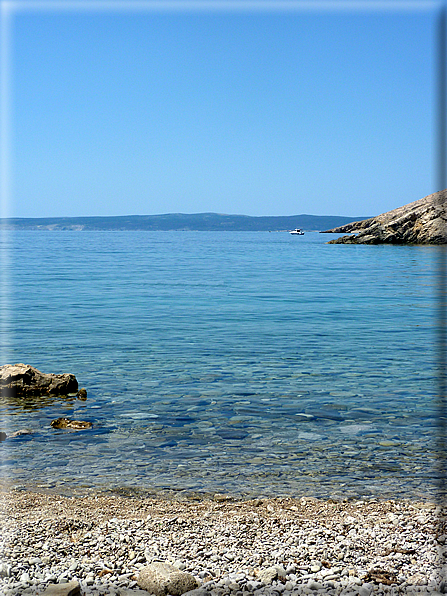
point(256, 113)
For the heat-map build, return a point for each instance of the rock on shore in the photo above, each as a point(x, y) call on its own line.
point(161, 579)
point(420, 222)
point(22, 380)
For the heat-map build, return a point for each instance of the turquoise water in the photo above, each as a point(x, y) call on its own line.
point(248, 363)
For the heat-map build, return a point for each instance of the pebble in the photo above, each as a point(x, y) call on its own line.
point(270, 547)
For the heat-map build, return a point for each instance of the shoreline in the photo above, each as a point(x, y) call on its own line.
point(188, 495)
point(317, 546)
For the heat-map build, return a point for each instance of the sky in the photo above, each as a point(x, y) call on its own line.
point(257, 111)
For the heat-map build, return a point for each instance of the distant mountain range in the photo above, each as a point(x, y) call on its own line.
point(180, 221)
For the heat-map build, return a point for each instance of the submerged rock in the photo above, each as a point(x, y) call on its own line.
point(20, 433)
point(67, 423)
point(17, 433)
point(82, 394)
point(421, 222)
point(22, 380)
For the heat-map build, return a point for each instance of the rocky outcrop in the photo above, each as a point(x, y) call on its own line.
point(22, 380)
point(421, 222)
point(163, 578)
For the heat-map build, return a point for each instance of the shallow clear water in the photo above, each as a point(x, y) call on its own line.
point(241, 362)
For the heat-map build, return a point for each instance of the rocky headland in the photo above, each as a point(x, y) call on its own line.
point(420, 222)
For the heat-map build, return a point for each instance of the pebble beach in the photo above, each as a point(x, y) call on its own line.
point(232, 547)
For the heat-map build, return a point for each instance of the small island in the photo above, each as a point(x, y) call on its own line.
point(420, 222)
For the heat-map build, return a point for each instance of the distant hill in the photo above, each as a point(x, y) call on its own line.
point(180, 221)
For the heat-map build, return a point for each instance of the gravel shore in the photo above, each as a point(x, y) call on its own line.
point(233, 547)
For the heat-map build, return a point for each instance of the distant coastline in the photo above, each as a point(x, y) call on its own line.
point(180, 221)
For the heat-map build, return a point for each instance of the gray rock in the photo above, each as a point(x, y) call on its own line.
point(267, 576)
point(163, 578)
point(5, 570)
point(50, 577)
point(22, 380)
point(198, 592)
point(281, 571)
point(365, 590)
point(69, 589)
point(420, 222)
point(253, 585)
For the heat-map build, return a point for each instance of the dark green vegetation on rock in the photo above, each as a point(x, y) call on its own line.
point(67, 423)
point(421, 222)
point(179, 221)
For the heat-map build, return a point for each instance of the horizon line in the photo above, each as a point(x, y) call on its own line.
point(170, 214)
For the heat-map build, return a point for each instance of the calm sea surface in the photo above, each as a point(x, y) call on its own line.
point(247, 363)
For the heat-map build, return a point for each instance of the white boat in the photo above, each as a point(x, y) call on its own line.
point(297, 232)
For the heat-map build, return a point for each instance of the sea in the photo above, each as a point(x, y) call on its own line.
point(244, 364)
